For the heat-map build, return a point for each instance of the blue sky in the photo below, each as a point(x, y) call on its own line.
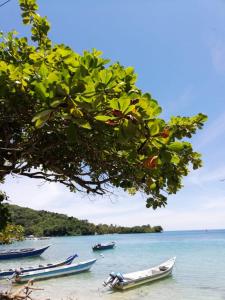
point(178, 51)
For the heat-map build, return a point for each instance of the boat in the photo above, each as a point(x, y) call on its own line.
point(129, 280)
point(19, 253)
point(31, 238)
point(104, 246)
point(10, 272)
point(54, 272)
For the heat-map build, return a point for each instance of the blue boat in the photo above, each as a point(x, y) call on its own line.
point(10, 272)
point(53, 273)
point(104, 246)
point(20, 253)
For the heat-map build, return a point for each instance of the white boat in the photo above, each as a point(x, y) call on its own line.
point(43, 238)
point(125, 281)
point(55, 272)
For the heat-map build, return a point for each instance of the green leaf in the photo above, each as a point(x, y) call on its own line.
point(151, 107)
point(3, 66)
point(42, 115)
point(103, 118)
point(153, 186)
point(39, 123)
point(96, 52)
point(36, 56)
point(56, 103)
point(86, 125)
point(105, 76)
point(41, 90)
point(176, 146)
point(76, 112)
point(129, 70)
point(201, 117)
point(82, 123)
point(175, 159)
point(53, 77)
point(154, 127)
point(121, 104)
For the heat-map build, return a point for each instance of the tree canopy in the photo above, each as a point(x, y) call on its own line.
point(81, 121)
point(11, 233)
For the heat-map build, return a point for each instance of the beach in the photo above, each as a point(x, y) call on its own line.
point(198, 274)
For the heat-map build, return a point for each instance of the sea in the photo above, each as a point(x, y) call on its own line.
point(199, 273)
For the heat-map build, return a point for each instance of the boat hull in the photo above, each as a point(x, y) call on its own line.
point(31, 253)
point(56, 272)
point(7, 273)
point(103, 247)
point(141, 281)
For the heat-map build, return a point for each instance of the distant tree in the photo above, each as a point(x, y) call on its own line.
point(43, 223)
point(158, 228)
point(75, 119)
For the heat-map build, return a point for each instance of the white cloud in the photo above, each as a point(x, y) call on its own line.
point(169, 218)
point(216, 204)
point(31, 193)
point(206, 175)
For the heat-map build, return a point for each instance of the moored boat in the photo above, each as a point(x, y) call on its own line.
point(55, 272)
point(10, 272)
point(19, 253)
point(104, 246)
point(129, 280)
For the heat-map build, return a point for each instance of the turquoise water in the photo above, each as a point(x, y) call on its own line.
point(199, 272)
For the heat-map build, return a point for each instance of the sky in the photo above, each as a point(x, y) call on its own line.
point(178, 51)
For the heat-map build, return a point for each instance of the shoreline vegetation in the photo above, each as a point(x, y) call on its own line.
point(43, 223)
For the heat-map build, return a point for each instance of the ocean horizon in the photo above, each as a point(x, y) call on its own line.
point(184, 230)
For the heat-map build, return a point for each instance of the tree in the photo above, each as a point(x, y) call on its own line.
point(4, 213)
point(11, 233)
point(80, 121)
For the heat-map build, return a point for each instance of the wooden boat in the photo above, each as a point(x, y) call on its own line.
point(10, 272)
point(104, 246)
point(125, 281)
point(19, 253)
point(54, 272)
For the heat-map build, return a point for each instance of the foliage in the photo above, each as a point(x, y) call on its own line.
point(4, 214)
point(80, 121)
point(11, 233)
point(43, 223)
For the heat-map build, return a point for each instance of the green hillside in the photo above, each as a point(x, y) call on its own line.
point(44, 223)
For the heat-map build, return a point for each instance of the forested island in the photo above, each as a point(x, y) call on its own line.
point(44, 223)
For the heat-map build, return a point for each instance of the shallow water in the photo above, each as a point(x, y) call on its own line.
point(199, 272)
